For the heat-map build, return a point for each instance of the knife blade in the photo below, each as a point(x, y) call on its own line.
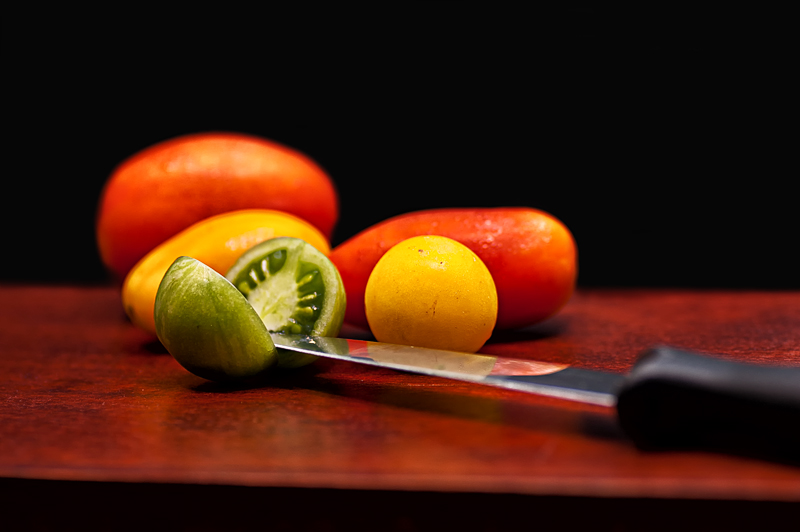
point(671, 397)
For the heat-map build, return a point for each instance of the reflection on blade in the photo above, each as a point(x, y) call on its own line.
point(555, 380)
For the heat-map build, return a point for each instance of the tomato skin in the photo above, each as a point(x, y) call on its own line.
point(531, 255)
point(169, 186)
point(217, 242)
point(431, 291)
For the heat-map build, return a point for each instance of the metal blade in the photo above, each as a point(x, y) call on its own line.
point(543, 378)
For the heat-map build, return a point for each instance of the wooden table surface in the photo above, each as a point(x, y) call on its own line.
point(92, 409)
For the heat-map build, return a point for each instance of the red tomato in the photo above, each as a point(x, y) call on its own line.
point(167, 187)
point(531, 255)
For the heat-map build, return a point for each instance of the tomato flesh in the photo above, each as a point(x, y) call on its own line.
point(293, 287)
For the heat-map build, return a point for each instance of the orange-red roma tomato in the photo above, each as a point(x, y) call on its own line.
point(531, 255)
point(167, 187)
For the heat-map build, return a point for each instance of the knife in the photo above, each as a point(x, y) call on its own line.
point(671, 398)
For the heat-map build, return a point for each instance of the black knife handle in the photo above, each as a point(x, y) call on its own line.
point(674, 398)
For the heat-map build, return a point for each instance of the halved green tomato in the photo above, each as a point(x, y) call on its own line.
point(208, 326)
point(294, 288)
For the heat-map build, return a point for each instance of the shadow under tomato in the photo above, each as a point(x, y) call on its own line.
point(154, 347)
point(540, 331)
point(303, 377)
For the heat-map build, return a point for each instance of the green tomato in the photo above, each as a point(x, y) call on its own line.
point(293, 288)
point(208, 326)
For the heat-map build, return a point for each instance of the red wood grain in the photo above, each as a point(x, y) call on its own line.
point(86, 396)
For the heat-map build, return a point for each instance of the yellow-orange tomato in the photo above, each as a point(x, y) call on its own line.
point(167, 187)
point(431, 291)
point(531, 255)
point(217, 242)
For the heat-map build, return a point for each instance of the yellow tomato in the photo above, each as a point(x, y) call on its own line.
point(217, 242)
point(431, 291)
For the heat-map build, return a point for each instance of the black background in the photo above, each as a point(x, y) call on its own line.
point(660, 137)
